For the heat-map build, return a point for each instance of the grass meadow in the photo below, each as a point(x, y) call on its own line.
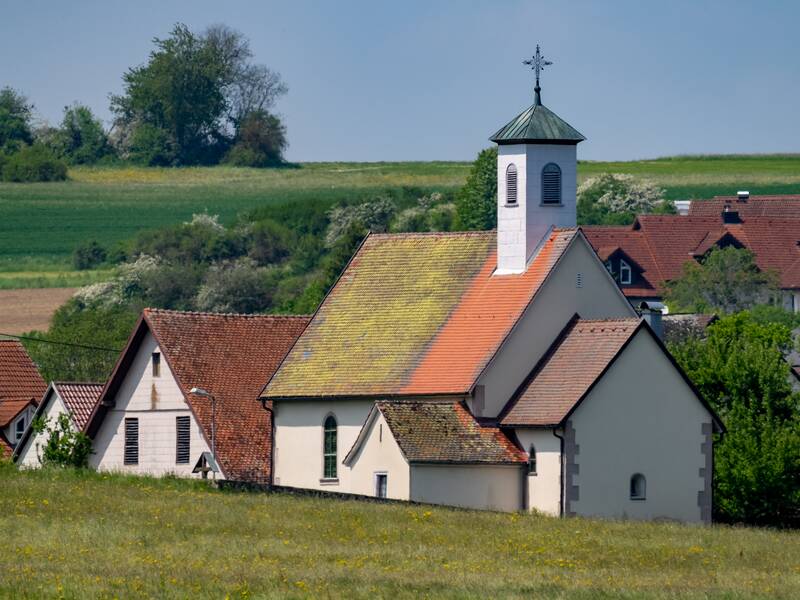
point(41, 224)
point(77, 535)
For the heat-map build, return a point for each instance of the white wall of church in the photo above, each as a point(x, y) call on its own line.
point(558, 300)
point(628, 425)
point(380, 454)
point(297, 454)
point(492, 487)
point(543, 488)
point(155, 401)
point(29, 455)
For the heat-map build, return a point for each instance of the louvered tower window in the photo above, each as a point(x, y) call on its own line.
point(131, 456)
point(182, 436)
point(551, 184)
point(511, 184)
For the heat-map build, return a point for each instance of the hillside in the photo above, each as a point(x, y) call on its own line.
point(78, 535)
point(40, 224)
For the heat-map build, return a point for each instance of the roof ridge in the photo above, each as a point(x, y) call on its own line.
point(77, 383)
point(151, 310)
point(480, 233)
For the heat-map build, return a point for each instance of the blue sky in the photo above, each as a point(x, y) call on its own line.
point(424, 80)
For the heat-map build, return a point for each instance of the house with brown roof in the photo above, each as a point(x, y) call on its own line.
point(652, 251)
point(497, 370)
point(183, 396)
point(76, 400)
point(21, 388)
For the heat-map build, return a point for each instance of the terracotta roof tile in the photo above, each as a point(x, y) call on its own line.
point(776, 207)
point(79, 399)
point(402, 308)
point(231, 356)
point(11, 407)
point(19, 377)
point(662, 244)
point(581, 354)
point(446, 432)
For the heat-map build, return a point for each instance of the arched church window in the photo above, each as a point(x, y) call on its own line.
point(329, 448)
point(532, 460)
point(511, 184)
point(551, 184)
point(638, 487)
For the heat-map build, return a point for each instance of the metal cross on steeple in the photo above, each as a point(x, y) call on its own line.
point(537, 63)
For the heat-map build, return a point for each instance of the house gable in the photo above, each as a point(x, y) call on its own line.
point(27, 451)
point(579, 283)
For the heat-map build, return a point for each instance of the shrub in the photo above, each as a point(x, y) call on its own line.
point(88, 255)
point(64, 447)
point(152, 146)
point(34, 163)
point(239, 287)
point(614, 199)
point(369, 216)
point(260, 141)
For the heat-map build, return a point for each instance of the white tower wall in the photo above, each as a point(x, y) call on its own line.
point(521, 227)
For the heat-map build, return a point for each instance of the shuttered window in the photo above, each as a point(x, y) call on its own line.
point(131, 442)
point(329, 448)
point(551, 184)
point(511, 184)
point(182, 437)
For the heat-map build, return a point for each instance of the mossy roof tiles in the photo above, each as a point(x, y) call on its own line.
point(412, 314)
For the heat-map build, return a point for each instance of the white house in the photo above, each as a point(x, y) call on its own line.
point(77, 400)
point(502, 370)
point(21, 388)
point(186, 384)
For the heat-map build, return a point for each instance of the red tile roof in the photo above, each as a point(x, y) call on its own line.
point(445, 432)
point(11, 407)
point(230, 356)
point(79, 399)
point(578, 358)
point(775, 207)
point(19, 377)
point(662, 244)
point(413, 314)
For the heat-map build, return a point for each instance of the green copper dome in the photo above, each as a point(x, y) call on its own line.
point(537, 124)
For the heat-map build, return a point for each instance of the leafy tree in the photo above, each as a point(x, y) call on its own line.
point(375, 216)
point(16, 113)
point(81, 138)
point(740, 369)
point(260, 141)
point(34, 163)
point(727, 280)
point(476, 204)
point(75, 323)
point(88, 255)
point(184, 104)
point(430, 214)
point(65, 447)
point(615, 199)
point(238, 287)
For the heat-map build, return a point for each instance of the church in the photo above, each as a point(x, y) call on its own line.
point(494, 370)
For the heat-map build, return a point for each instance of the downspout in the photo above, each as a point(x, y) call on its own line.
point(272, 440)
point(560, 475)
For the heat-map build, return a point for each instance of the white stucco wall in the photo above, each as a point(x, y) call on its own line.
point(493, 487)
point(557, 301)
point(544, 488)
point(641, 417)
point(29, 455)
point(297, 454)
point(155, 401)
point(380, 454)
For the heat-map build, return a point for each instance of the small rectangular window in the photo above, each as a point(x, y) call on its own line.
point(156, 364)
point(131, 456)
point(625, 273)
point(19, 429)
point(381, 482)
point(183, 437)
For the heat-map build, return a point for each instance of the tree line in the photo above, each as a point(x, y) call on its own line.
point(198, 100)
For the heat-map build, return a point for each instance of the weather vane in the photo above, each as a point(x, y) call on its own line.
point(537, 63)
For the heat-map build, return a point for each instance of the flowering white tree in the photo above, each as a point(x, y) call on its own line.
point(621, 193)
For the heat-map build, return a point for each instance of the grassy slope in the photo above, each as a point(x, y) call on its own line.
point(69, 535)
point(40, 224)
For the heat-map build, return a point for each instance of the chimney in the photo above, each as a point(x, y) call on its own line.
point(743, 196)
point(652, 312)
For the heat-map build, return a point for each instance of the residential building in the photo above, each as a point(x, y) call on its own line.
point(21, 388)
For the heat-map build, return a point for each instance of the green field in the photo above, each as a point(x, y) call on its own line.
point(40, 224)
point(70, 535)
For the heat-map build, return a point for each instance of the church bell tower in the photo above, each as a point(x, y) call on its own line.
point(536, 179)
